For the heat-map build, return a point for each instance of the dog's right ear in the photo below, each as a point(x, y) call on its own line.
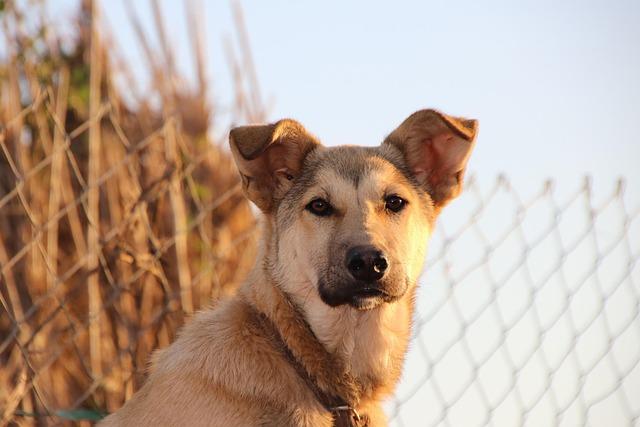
point(269, 158)
point(436, 148)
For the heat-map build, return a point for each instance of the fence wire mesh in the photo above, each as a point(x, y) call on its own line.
point(528, 313)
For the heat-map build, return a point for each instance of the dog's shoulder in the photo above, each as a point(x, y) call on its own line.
point(225, 348)
point(221, 353)
point(205, 339)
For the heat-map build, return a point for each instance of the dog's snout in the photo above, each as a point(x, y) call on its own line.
point(366, 263)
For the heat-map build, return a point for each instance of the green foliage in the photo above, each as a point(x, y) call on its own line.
point(81, 414)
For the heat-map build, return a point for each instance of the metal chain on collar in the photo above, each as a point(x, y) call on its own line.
point(348, 416)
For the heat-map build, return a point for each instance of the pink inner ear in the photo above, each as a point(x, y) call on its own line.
point(448, 154)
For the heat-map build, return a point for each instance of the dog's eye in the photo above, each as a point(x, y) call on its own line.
point(395, 203)
point(320, 207)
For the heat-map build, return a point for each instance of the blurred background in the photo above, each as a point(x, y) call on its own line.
point(121, 214)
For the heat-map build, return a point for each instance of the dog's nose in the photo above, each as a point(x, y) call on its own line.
point(366, 263)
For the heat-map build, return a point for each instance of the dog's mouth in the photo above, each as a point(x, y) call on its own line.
point(368, 298)
point(369, 293)
point(357, 295)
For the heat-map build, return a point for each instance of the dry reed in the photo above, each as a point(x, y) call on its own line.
point(117, 219)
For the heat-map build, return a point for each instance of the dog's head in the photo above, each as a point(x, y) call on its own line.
point(350, 224)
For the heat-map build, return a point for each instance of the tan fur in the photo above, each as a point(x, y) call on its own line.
point(239, 364)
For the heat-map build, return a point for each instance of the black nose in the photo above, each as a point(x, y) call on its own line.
point(366, 263)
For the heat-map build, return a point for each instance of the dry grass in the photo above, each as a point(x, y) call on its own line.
point(116, 221)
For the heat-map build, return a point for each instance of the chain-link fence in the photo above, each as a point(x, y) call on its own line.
point(528, 313)
point(117, 222)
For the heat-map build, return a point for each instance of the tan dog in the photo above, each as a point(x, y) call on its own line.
point(318, 334)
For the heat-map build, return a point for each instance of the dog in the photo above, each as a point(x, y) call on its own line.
point(318, 333)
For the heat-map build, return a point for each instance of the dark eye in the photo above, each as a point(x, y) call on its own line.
point(395, 203)
point(320, 207)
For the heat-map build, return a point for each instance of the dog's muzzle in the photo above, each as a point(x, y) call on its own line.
point(367, 282)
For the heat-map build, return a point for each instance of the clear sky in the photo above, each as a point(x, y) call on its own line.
point(555, 85)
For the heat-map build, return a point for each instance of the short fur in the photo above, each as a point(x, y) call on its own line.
point(302, 326)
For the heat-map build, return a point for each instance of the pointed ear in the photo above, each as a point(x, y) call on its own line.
point(436, 147)
point(269, 158)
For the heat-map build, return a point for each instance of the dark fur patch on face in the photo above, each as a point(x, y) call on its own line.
point(357, 295)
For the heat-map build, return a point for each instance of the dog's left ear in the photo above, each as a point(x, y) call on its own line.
point(269, 158)
point(436, 147)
